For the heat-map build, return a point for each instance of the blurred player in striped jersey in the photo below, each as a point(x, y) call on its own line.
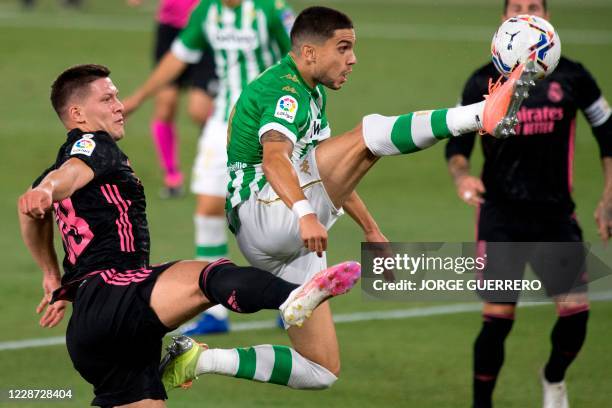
point(245, 37)
point(525, 195)
point(199, 78)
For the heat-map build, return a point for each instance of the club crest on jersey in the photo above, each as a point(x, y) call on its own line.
point(286, 108)
point(555, 92)
point(85, 145)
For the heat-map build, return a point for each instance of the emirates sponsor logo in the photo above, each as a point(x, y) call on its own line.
point(538, 121)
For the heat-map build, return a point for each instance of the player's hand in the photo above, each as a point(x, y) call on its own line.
point(470, 189)
point(35, 203)
point(130, 104)
point(53, 314)
point(381, 249)
point(603, 219)
point(313, 234)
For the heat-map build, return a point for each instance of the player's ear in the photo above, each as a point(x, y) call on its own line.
point(75, 114)
point(309, 53)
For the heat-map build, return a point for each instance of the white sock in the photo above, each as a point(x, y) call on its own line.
point(210, 237)
point(266, 363)
point(219, 312)
point(404, 134)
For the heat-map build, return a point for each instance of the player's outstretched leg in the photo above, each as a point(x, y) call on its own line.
point(496, 115)
point(186, 360)
point(342, 161)
point(275, 364)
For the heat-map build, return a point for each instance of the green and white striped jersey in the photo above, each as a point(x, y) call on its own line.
point(244, 41)
point(278, 100)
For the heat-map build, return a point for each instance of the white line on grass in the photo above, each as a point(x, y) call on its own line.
point(339, 318)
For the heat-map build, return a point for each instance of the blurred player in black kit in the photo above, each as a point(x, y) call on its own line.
point(525, 196)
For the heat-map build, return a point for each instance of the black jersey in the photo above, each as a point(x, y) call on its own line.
point(534, 169)
point(103, 225)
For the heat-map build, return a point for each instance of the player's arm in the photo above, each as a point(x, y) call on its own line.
point(186, 49)
point(459, 149)
point(57, 185)
point(603, 212)
point(598, 113)
point(168, 69)
point(357, 210)
point(36, 224)
point(282, 177)
point(281, 22)
point(37, 234)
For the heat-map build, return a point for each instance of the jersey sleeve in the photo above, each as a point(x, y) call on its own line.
point(281, 21)
point(596, 109)
point(472, 93)
point(99, 152)
point(191, 41)
point(284, 112)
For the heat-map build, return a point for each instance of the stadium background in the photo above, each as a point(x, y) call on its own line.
point(413, 54)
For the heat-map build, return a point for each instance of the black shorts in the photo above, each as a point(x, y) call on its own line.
point(114, 338)
point(199, 75)
point(550, 243)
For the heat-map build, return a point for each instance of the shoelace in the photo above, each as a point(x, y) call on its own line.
point(492, 87)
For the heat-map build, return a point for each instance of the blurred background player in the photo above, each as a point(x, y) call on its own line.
point(199, 77)
point(525, 195)
point(245, 37)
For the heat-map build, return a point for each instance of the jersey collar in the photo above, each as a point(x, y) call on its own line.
point(288, 60)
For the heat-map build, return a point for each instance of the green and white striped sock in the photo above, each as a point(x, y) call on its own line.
point(266, 363)
point(404, 134)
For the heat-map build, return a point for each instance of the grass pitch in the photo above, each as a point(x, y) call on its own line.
point(413, 54)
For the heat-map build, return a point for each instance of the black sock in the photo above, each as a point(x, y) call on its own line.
point(567, 338)
point(488, 358)
point(243, 289)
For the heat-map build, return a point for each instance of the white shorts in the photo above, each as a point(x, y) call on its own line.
point(210, 176)
point(269, 234)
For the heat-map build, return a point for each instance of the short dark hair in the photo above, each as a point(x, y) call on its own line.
point(318, 23)
point(506, 5)
point(74, 80)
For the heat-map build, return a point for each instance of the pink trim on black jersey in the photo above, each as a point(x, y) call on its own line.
point(112, 277)
point(570, 156)
point(124, 226)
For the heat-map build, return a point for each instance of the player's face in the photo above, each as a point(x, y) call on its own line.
point(102, 109)
point(335, 59)
point(517, 7)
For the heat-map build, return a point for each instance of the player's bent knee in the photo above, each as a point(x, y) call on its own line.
point(502, 310)
point(313, 376)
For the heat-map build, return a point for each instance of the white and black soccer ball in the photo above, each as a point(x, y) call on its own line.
point(523, 38)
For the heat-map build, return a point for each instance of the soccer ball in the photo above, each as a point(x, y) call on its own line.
point(523, 38)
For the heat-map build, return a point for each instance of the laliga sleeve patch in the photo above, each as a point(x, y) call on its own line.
point(85, 145)
point(286, 108)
